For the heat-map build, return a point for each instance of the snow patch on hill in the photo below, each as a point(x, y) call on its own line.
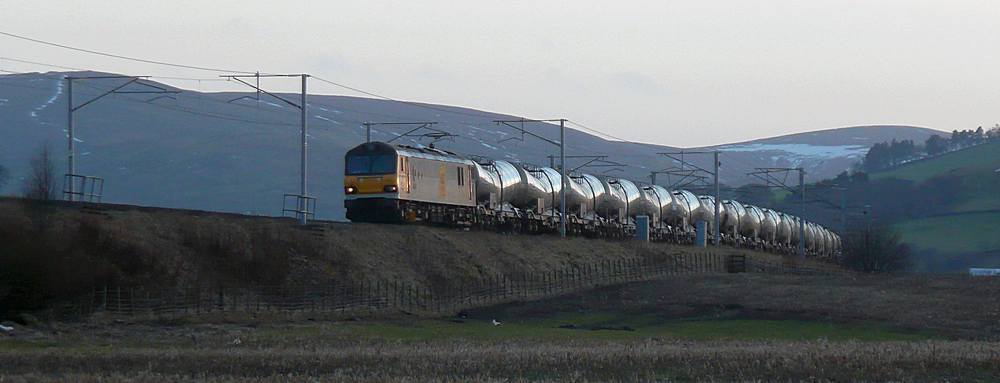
point(802, 150)
point(50, 101)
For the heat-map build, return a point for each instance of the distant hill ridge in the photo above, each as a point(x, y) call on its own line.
point(202, 151)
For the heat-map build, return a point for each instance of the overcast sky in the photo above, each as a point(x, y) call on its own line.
point(680, 73)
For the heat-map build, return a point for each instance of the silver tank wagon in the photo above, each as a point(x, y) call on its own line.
point(662, 199)
point(680, 208)
point(705, 211)
point(768, 225)
point(751, 221)
point(821, 240)
point(794, 239)
point(614, 205)
point(827, 241)
point(636, 202)
point(783, 235)
point(529, 189)
point(811, 236)
point(499, 179)
point(648, 204)
point(732, 213)
point(595, 192)
point(576, 196)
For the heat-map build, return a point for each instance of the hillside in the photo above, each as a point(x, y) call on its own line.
point(943, 239)
point(207, 151)
point(945, 207)
point(57, 250)
point(977, 160)
point(823, 153)
point(972, 171)
point(970, 216)
point(962, 230)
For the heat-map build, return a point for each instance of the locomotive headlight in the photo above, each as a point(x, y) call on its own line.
point(390, 188)
point(350, 190)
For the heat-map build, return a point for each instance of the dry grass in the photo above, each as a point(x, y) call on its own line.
point(519, 360)
point(955, 306)
point(672, 341)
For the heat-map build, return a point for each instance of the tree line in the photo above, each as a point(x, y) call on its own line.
point(888, 154)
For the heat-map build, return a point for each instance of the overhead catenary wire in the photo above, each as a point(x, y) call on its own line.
point(646, 145)
point(412, 103)
point(196, 67)
point(491, 115)
point(23, 61)
point(93, 70)
point(221, 116)
point(355, 89)
point(214, 115)
point(106, 54)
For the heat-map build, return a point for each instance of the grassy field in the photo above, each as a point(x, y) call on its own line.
point(972, 232)
point(983, 159)
point(722, 328)
point(594, 326)
point(602, 347)
point(974, 178)
point(955, 241)
point(651, 359)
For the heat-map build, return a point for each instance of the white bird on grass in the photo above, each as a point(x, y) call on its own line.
point(496, 322)
point(6, 328)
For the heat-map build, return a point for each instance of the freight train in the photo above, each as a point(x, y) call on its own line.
point(400, 183)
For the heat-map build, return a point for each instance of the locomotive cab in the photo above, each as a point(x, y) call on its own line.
point(370, 168)
point(384, 182)
point(371, 184)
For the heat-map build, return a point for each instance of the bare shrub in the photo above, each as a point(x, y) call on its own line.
point(876, 249)
point(41, 182)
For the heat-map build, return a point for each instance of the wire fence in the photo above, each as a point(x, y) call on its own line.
point(346, 298)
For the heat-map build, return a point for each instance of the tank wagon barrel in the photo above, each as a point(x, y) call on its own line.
point(681, 208)
point(732, 212)
point(661, 199)
point(783, 234)
point(750, 222)
point(705, 212)
point(594, 191)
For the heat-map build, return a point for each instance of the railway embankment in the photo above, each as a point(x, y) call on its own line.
point(56, 251)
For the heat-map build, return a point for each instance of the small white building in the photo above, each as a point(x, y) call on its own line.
point(977, 272)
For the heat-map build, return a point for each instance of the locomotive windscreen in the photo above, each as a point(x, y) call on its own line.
point(371, 164)
point(370, 158)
